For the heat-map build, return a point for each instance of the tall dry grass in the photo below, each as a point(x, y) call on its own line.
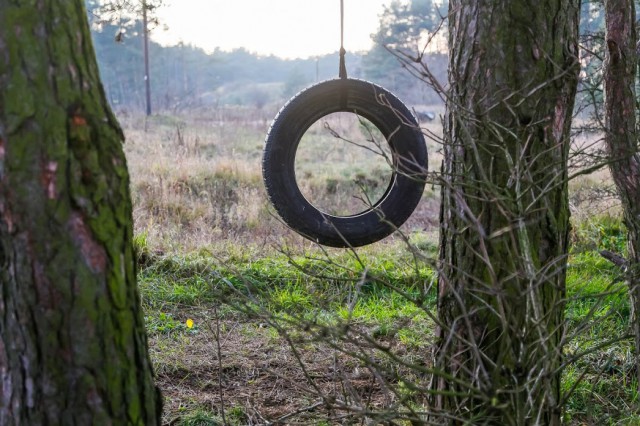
point(197, 182)
point(196, 178)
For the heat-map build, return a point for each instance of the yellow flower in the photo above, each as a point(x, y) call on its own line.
point(189, 323)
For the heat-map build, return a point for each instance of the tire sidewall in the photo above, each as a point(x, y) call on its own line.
point(399, 127)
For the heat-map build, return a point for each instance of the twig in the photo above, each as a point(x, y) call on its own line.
point(614, 258)
point(295, 413)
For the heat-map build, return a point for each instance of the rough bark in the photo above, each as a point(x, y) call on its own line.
point(505, 217)
point(73, 348)
point(621, 136)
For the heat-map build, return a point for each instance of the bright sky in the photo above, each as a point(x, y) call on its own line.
point(286, 28)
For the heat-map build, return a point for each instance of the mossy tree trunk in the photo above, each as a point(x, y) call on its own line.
point(73, 348)
point(621, 136)
point(505, 216)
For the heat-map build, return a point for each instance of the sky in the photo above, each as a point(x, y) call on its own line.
point(285, 28)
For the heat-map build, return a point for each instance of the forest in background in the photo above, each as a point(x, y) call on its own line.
point(185, 76)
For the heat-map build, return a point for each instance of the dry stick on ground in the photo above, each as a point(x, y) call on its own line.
point(311, 407)
point(615, 258)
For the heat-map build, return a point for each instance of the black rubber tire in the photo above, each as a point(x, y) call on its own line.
point(394, 120)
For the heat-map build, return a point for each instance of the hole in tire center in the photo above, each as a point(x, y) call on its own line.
point(343, 164)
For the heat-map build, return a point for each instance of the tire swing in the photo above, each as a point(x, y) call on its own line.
point(405, 141)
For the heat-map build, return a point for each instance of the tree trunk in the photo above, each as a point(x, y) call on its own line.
point(621, 136)
point(505, 217)
point(73, 348)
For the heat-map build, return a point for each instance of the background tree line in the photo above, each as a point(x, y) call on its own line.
point(184, 76)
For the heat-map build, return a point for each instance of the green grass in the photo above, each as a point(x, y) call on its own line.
point(285, 280)
point(163, 323)
point(234, 416)
point(595, 288)
point(601, 383)
point(389, 297)
point(600, 232)
point(200, 417)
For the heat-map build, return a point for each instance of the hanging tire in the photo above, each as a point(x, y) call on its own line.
point(406, 142)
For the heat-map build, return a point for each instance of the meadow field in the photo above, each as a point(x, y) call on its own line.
point(250, 324)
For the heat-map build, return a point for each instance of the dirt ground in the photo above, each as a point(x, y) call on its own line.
point(255, 376)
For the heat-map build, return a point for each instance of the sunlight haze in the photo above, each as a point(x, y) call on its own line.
point(286, 28)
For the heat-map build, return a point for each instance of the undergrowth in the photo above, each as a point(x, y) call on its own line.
point(387, 297)
point(248, 325)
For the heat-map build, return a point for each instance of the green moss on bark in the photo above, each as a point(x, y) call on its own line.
point(505, 209)
point(72, 340)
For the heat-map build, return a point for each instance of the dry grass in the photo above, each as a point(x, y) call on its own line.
point(196, 179)
point(197, 182)
point(592, 194)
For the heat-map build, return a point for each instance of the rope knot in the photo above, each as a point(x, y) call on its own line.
point(343, 67)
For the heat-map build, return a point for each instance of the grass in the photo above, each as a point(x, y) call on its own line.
point(354, 167)
point(254, 305)
point(278, 322)
point(274, 296)
point(197, 180)
point(601, 384)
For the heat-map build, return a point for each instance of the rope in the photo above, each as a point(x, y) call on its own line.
point(343, 68)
